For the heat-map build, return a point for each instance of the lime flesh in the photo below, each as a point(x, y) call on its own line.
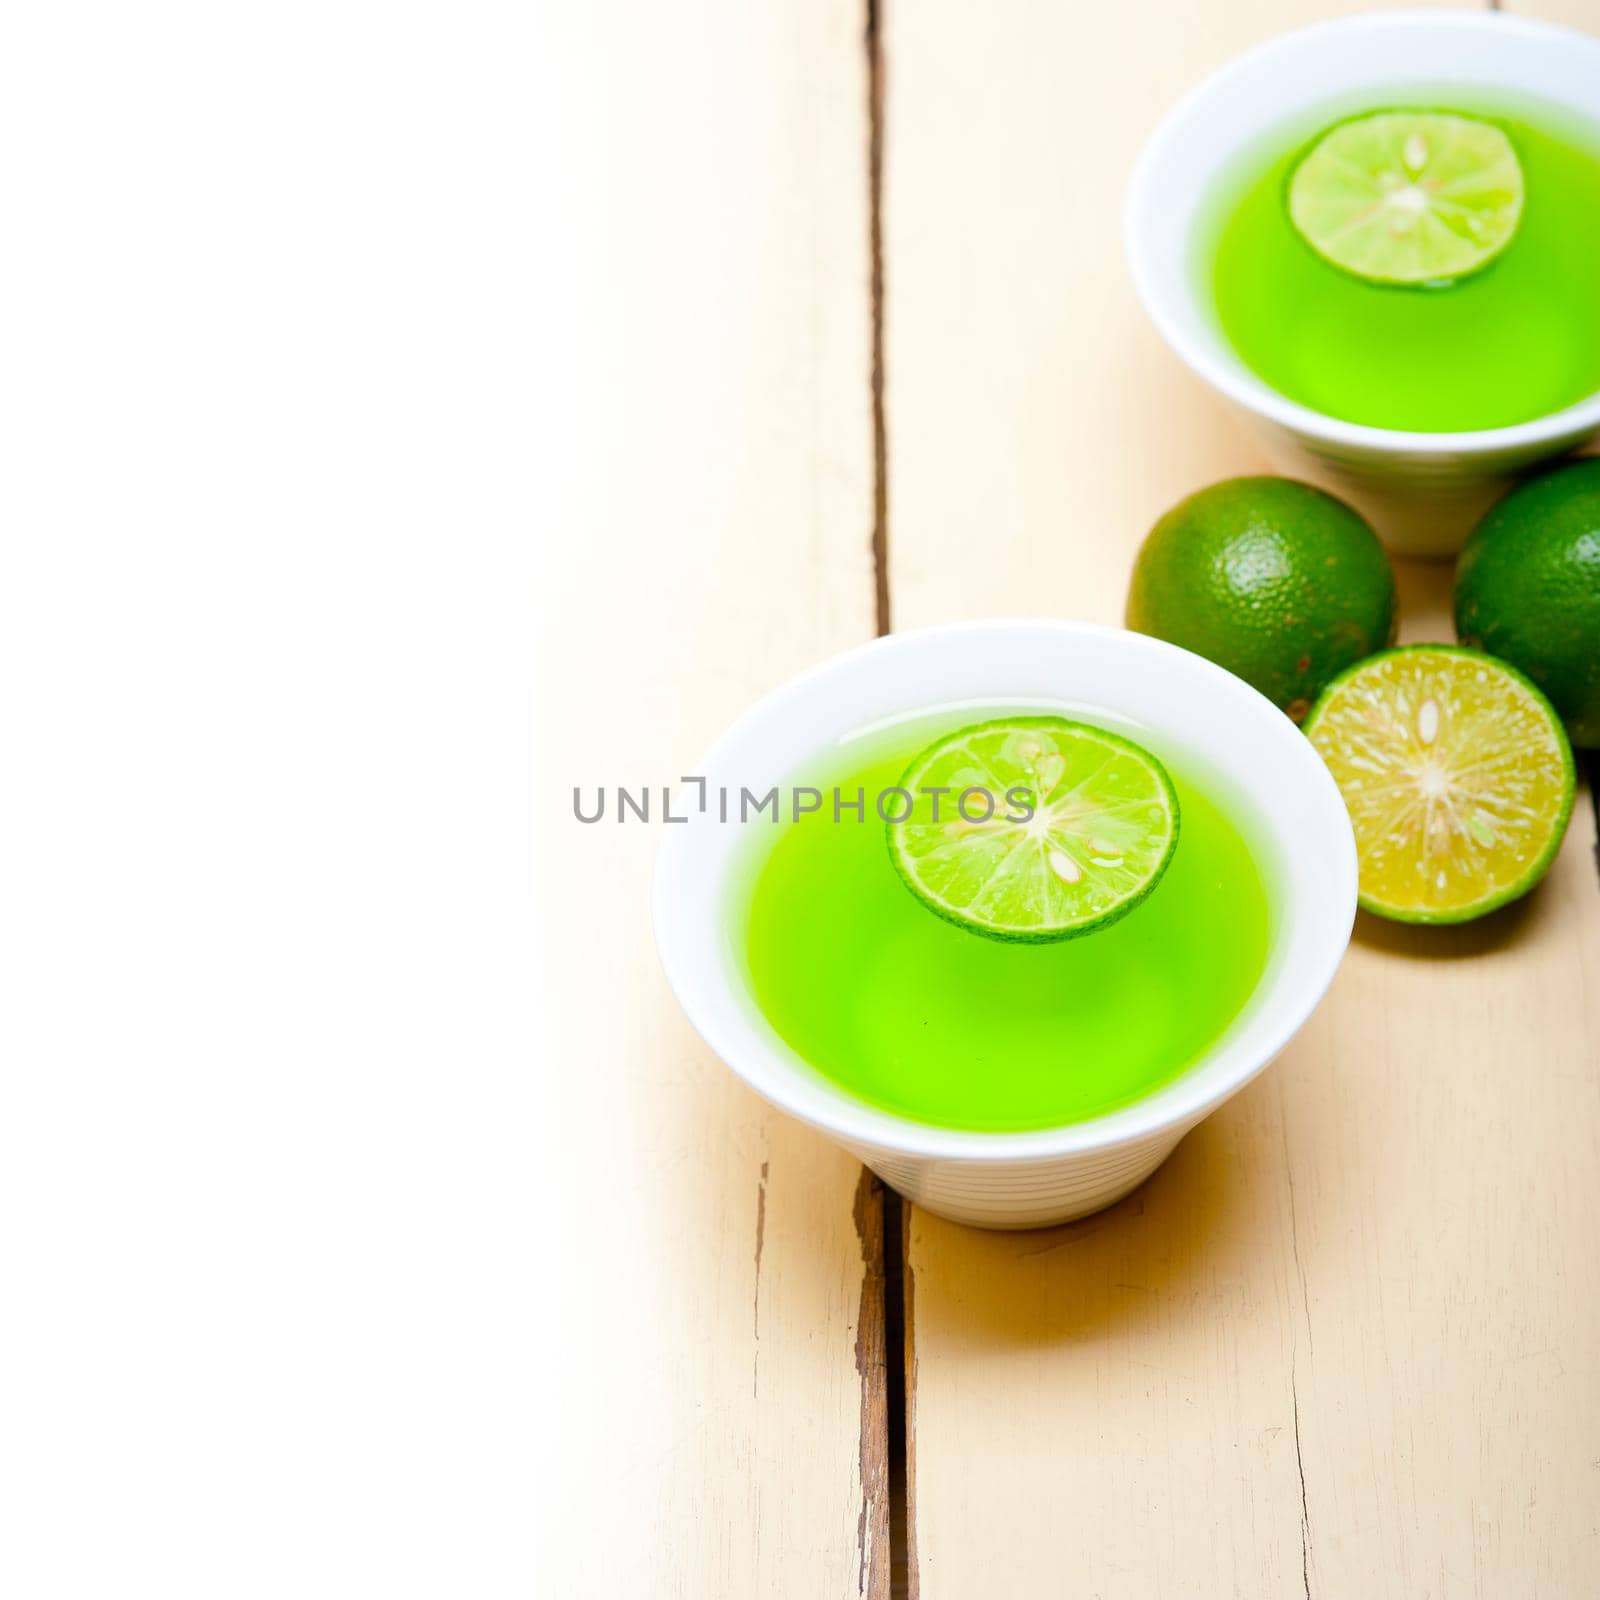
point(1457, 775)
point(1408, 197)
point(1034, 828)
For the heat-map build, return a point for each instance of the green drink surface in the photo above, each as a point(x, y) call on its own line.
point(945, 1026)
point(1517, 340)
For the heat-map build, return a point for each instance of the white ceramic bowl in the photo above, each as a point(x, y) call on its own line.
point(1423, 491)
point(1186, 709)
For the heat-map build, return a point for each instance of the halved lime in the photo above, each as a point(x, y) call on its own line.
point(1458, 776)
point(1034, 828)
point(1408, 197)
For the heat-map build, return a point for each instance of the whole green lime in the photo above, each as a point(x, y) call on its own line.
point(1272, 579)
point(1528, 590)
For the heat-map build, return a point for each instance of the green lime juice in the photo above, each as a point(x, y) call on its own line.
point(934, 1022)
point(1514, 341)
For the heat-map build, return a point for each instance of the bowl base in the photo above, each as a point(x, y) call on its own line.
point(1024, 1194)
point(1428, 520)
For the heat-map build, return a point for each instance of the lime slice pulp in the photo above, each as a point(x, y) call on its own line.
point(1457, 774)
point(1034, 828)
point(1408, 197)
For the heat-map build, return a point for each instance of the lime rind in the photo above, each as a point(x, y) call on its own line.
point(1465, 804)
point(1409, 198)
point(1104, 825)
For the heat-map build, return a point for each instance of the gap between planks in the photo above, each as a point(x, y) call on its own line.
point(893, 1214)
point(880, 436)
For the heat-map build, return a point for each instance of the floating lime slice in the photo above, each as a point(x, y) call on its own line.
point(1034, 828)
point(1408, 197)
point(1458, 777)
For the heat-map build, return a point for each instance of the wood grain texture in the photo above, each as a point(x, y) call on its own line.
point(1342, 1342)
point(707, 514)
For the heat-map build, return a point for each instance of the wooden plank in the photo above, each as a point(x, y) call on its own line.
point(1341, 1343)
point(1583, 14)
point(716, 1383)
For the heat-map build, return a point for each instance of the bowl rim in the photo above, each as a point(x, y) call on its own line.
point(1171, 1109)
point(1253, 394)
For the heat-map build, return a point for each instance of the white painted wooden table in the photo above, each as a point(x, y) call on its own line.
point(1345, 1342)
